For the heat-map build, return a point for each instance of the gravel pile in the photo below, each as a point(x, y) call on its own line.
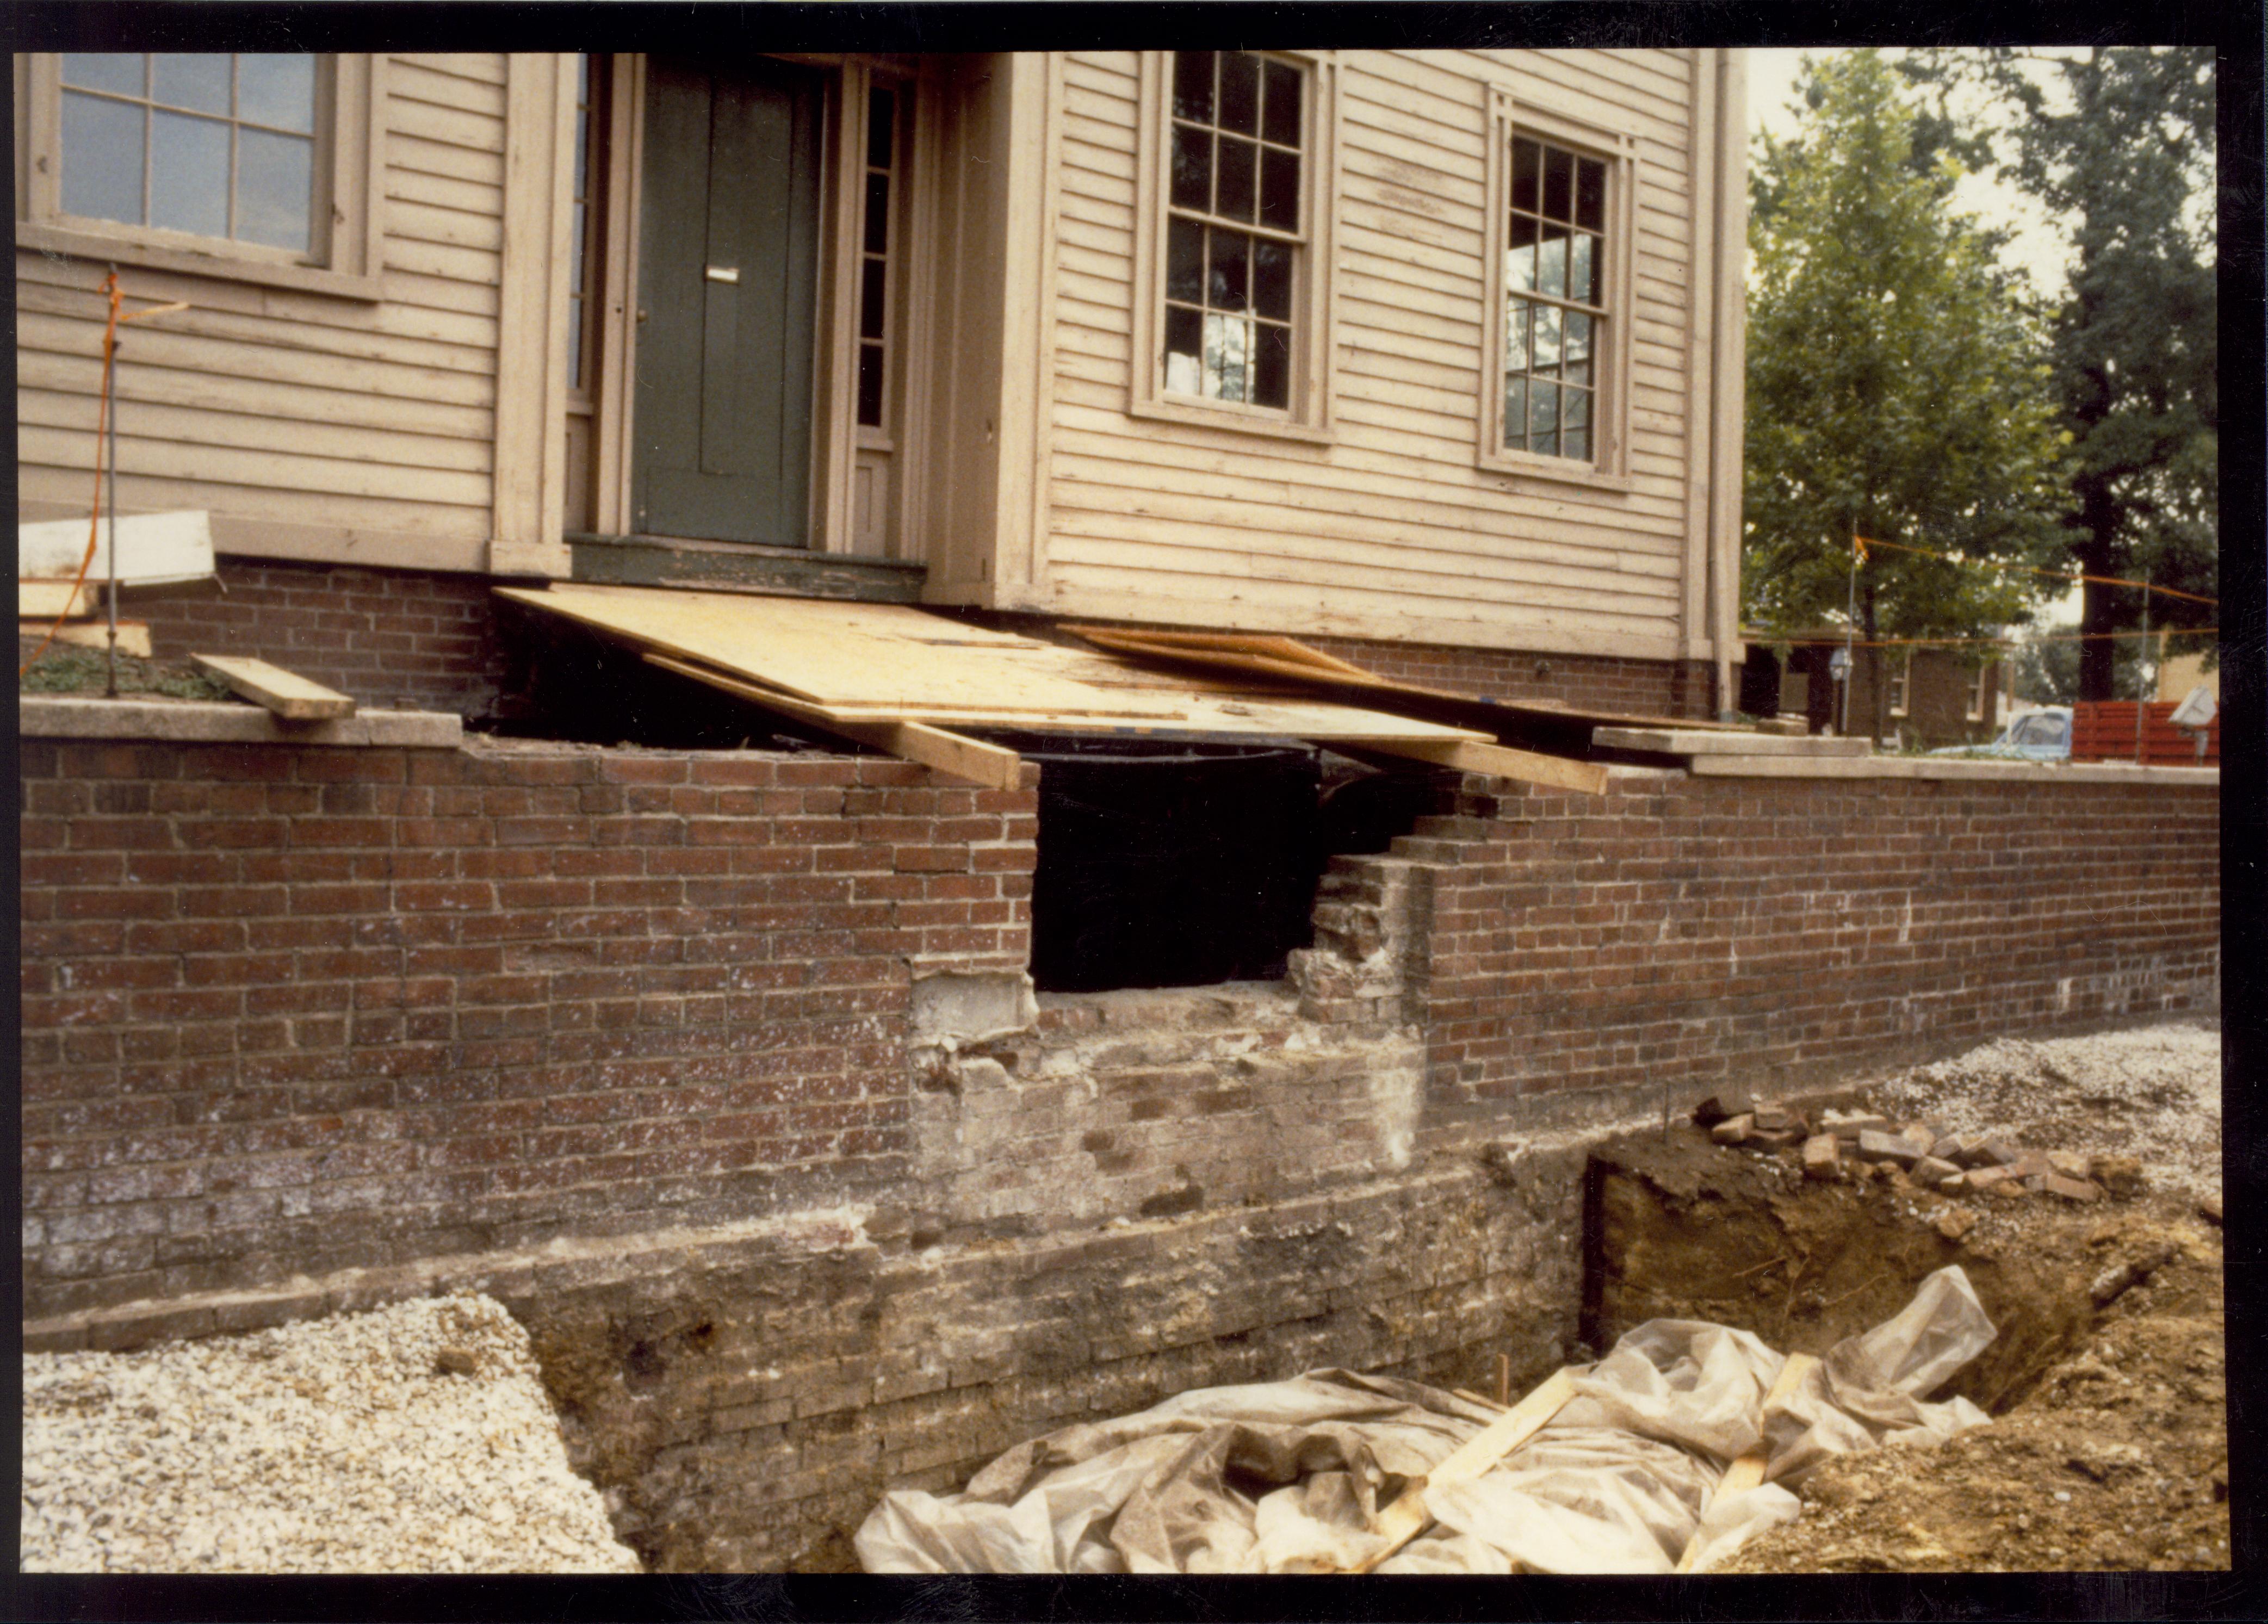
point(416, 1438)
point(2153, 1093)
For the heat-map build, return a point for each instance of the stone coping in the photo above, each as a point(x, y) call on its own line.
point(1952, 769)
point(200, 721)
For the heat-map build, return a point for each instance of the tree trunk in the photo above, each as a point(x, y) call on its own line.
point(2099, 605)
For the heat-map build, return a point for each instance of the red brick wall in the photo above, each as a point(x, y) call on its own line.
point(386, 637)
point(1644, 687)
point(1688, 931)
point(289, 1009)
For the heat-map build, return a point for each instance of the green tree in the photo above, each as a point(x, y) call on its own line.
point(2118, 142)
point(1895, 389)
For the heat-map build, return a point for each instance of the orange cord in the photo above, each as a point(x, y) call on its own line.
point(94, 525)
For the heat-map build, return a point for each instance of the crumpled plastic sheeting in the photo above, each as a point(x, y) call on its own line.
point(1288, 1477)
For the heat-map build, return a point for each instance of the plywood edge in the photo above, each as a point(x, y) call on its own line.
point(1501, 761)
point(1707, 741)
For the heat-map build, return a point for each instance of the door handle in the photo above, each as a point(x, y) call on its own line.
point(723, 273)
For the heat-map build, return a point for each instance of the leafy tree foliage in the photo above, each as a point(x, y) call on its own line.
point(1894, 388)
point(2119, 142)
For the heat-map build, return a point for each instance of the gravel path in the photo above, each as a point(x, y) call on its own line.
point(416, 1438)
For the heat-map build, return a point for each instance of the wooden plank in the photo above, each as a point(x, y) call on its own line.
point(1698, 742)
point(1407, 1517)
point(56, 601)
point(967, 760)
point(153, 548)
point(1748, 1471)
point(1501, 761)
point(133, 635)
point(291, 696)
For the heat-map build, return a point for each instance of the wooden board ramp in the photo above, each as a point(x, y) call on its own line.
point(289, 696)
point(1748, 1471)
point(133, 635)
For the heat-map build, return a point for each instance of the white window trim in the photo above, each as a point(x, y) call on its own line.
point(1975, 710)
point(1608, 468)
point(1308, 417)
point(346, 259)
point(1902, 685)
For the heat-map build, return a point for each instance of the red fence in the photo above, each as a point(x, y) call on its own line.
point(2103, 730)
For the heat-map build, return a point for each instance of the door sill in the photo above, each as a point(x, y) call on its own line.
point(742, 567)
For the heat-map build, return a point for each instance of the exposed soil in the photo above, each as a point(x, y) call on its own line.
point(2109, 1449)
point(67, 668)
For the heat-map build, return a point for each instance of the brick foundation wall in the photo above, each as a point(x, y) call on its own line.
point(1640, 687)
point(388, 637)
point(291, 1009)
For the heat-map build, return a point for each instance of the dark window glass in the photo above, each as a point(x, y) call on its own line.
point(1520, 256)
point(1272, 367)
point(1234, 197)
point(1193, 86)
point(870, 385)
point(1280, 107)
point(1184, 335)
point(1558, 184)
point(1526, 166)
point(1575, 441)
point(881, 107)
point(878, 214)
point(1271, 280)
point(1185, 261)
point(1515, 413)
point(1279, 190)
point(1229, 285)
point(1192, 186)
point(1240, 92)
point(870, 300)
point(1591, 194)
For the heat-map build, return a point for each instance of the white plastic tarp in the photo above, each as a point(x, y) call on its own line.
point(1290, 1476)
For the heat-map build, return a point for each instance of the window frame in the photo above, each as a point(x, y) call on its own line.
point(345, 257)
point(1607, 467)
point(1899, 699)
point(1309, 414)
point(1974, 712)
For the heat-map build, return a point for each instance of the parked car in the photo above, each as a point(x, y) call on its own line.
point(2042, 735)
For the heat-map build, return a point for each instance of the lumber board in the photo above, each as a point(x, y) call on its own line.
point(153, 548)
point(1500, 761)
point(290, 695)
point(1697, 741)
point(1406, 1518)
point(53, 600)
point(967, 760)
point(1748, 1471)
point(133, 635)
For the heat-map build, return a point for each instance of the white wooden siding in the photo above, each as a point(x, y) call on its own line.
point(296, 418)
point(1392, 530)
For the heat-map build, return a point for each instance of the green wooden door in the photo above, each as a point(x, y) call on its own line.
point(728, 277)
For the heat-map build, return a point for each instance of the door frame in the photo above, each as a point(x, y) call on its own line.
point(835, 436)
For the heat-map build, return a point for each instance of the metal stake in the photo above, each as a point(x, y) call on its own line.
point(111, 690)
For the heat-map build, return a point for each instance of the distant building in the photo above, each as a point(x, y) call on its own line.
point(1935, 696)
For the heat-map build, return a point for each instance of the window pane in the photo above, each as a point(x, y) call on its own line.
point(274, 186)
point(582, 152)
point(870, 385)
point(878, 110)
point(1575, 408)
point(1551, 263)
point(102, 158)
point(1591, 194)
point(1280, 114)
point(1578, 373)
point(1542, 408)
point(1271, 370)
point(1185, 261)
point(1575, 441)
point(1228, 287)
point(1240, 92)
point(1234, 198)
point(1271, 280)
point(1184, 342)
point(1520, 258)
point(575, 255)
point(1515, 414)
point(1227, 355)
point(575, 347)
point(1547, 337)
point(1581, 258)
point(870, 299)
point(188, 177)
point(1192, 168)
point(1558, 184)
point(186, 79)
point(1578, 336)
point(1193, 86)
point(1279, 190)
point(878, 214)
point(1527, 164)
point(110, 70)
point(277, 90)
point(1517, 320)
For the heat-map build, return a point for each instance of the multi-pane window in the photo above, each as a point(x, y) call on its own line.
point(1233, 230)
point(882, 117)
point(1555, 300)
point(219, 144)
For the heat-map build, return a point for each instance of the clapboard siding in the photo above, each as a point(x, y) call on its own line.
point(268, 405)
point(1392, 528)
